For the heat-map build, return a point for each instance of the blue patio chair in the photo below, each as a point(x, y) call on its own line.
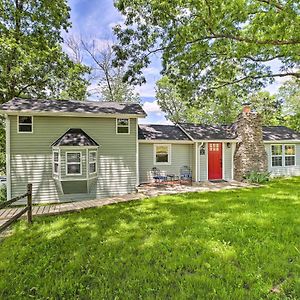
point(186, 174)
point(157, 176)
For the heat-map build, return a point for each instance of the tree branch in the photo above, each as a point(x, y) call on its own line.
point(273, 3)
point(226, 83)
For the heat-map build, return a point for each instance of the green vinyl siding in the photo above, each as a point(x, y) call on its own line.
point(181, 155)
point(31, 158)
point(202, 161)
point(227, 163)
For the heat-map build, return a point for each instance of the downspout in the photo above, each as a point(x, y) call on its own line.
point(8, 169)
point(137, 154)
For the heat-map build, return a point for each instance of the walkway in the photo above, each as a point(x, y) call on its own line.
point(144, 191)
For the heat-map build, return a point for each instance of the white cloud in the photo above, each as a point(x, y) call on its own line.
point(146, 90)
point(152, 107)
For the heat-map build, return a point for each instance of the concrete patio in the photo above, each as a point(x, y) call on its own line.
point(164, 188)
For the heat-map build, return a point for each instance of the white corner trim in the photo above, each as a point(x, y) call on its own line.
point(169, 155)
point(8, 167)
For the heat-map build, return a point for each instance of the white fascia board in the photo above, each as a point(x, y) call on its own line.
point(66, 114)
point(165, 142)
point(216, 141)
point(282, 141)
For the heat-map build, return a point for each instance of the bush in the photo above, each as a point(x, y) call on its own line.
point(2, 193)
point(258, 177)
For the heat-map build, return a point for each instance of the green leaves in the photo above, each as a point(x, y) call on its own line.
point(32, 63)
point(207, 45)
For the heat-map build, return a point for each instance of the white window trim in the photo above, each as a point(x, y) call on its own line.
point(18, 124)
point(96, 162)
point(58, 162)
point(71, 163)
point(287, 155)
point(279, 155)
point(123, 126)
point(283, 155)
point(169, 154)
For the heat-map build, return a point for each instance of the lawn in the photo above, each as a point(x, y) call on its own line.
point(239, 244)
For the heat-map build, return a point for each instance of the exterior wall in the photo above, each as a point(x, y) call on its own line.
point(227, 162)
point(181, 155)
point(203, 159)
point(283, 171)
point(31, 158)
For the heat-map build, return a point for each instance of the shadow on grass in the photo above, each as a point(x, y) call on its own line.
point(233, 244)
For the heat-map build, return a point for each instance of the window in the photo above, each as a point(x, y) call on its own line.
point(92, 162)
point(290, 155)
point(55, 162)
point(25, 124)
point(276, 155)
point(283, 155)
point(162, 154)
point(73, 165)
point(123, 126)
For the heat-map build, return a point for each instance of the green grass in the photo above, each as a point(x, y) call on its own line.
point(235, 244)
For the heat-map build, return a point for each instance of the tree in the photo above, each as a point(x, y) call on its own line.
point(269, 106)
point(108, 79)
point(170, 101)
point(289, 95)
point(32, 63)
point(207, 45)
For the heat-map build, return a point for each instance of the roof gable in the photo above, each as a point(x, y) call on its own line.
point(69, 106)
point(75, 137)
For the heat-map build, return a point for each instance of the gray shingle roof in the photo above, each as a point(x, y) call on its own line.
point(75, 137)
point(273, 133)
point(162, 132)
point(70, 106)
point(208, 132)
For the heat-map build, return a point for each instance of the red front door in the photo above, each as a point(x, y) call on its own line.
point(214, 161)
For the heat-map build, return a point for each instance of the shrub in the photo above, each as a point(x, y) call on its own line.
point(2, 193)
point(258, 177)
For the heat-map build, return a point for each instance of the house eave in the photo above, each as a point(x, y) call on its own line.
point(281, 141)
point(166, 142)
point(70, 114)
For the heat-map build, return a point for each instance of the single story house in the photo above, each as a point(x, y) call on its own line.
point(72, 150)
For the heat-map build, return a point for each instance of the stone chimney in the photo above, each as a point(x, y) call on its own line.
point(250, 154)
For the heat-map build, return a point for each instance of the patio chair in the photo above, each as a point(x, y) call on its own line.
point(157, 175)
point(186, 174)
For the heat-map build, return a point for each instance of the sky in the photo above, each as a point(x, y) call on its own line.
point(94, 19)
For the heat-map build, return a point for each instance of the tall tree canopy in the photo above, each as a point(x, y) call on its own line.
point(207, 45)
point(289, 95)
point(32, 63)
point(107, 80)
point(222, 109)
